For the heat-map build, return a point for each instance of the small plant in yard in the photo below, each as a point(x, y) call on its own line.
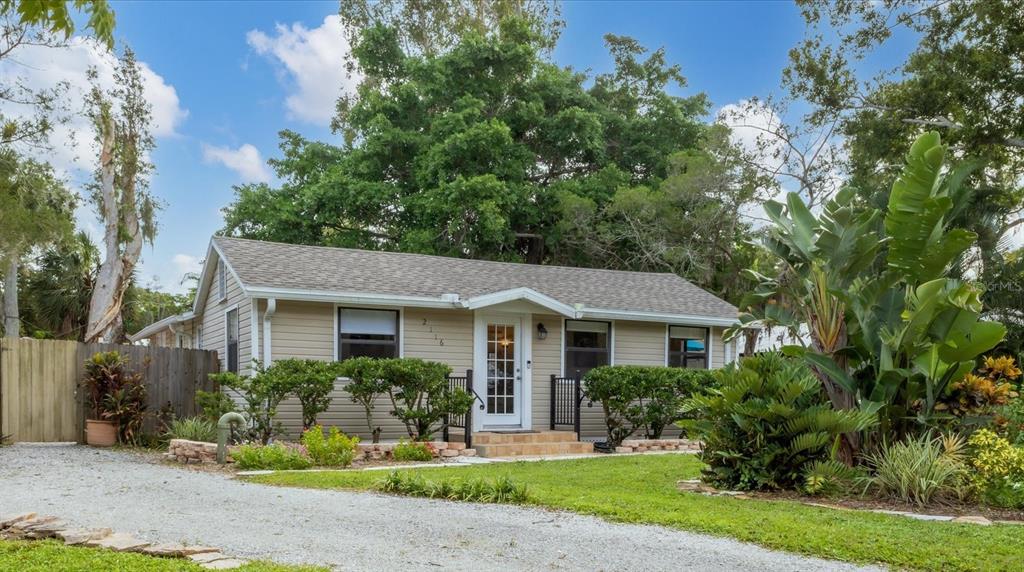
point(311, 381)
point(333, 450)
point(642, 398)
point(192, 429)
point(412, 451)
point(998, 475)
point(830, 477)
point(1010, 421)
point(500, 490)
point(115, 394)
point(262, 395)
point(765, 422)
point(420, 395)
point(276, 457)
point(919, 470)
point(214, 404)
point(364, 387)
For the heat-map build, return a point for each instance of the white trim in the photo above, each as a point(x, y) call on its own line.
point(522, 293)
point(254, 331)
point(357, 298)
point(709, 340)
point(600, 314)
point(711, 346)
point(668, 336)
point(159, 325)
point(268, 345)
point(401, 325)
point(238, 325)
point(524, 332)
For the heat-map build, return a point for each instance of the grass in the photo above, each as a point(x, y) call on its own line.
point(642, 489)
point(49, 555)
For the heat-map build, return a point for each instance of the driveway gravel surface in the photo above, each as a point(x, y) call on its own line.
point(348, 530)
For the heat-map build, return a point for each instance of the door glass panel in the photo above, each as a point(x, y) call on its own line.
point(501, 369)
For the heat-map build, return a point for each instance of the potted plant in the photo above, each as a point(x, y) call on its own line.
point(116, 400)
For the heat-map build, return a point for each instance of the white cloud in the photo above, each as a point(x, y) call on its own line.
point(245, 161)
point(187, 264)
point(41, 68)
point(312, 66)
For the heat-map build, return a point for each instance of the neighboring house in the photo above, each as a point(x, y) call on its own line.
point(514, 325)
point(171, 332)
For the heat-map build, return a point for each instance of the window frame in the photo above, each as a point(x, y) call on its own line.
point(565, 343)
point(339, 343)
point(683, 354)
point(227, 339)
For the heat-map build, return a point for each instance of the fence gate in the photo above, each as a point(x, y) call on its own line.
point(39, 396)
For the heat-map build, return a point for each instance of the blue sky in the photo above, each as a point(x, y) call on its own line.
point(241, 72)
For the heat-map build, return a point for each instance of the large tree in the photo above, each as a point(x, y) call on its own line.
point(35, 210)
point(474, 151)
point(121, 117)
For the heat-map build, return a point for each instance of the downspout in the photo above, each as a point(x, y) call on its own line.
point(267, 318)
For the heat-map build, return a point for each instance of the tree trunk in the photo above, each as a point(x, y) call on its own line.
point(12, 322)
point(105, 303)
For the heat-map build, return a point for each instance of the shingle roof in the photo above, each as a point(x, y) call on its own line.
point(275, 265)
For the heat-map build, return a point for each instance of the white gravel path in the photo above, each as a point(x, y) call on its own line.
point(347, 530)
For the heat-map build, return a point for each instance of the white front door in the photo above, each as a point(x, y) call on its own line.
point(499, 375)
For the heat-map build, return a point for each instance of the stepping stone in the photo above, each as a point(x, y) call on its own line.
point(175, 550)
point(82, 535)
point(121, 542)
point(207, 557)
point(22, 528)
point(226, 564)
point(973, 520)
point(9, 519)
point(45, 529)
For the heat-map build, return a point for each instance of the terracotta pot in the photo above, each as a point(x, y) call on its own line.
point(100, 433)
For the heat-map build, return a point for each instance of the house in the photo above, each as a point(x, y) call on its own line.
point(515, 325)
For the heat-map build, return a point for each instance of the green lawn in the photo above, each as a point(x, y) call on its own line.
point(47, 556)
point(642, 489)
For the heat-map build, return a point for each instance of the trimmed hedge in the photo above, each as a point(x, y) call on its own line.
point(643, 398)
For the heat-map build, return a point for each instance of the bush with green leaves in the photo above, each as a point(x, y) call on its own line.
point(420, 395)
point(998, 469)
point(500, 490)
point(273, 457)
point(1010, 419)
point(365, 385)
point(412, 451)
point(214, 404)
point(115, 393)
point(919, 470)
point(642, 398)
point(332, 450)
point(311, 381)
point(262, 395)
point(192, 429)
point(765, 422)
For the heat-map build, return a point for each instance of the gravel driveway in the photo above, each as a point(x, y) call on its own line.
point(347, 530)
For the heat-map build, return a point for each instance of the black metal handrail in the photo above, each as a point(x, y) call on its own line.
point(464, 421)
point(566, 399)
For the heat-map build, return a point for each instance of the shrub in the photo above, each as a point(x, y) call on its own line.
point(276, 457)
point(919, 470)
point(420, 395)
point(500, 490)
point(311, 381)
point(214, 404)
point(831, 477)
point(642, 398)
point(115, 394)
point(364, 386)
point(976, 398)
point(998, 466)
point(262, 395)
point(1010, 421)
point(415, 451)
point(333, 450)
point(193, 429)
point(765, 422)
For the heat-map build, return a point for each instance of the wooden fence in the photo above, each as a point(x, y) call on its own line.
point(40, 400)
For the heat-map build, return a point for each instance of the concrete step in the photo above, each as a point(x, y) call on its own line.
point(502, 438)
point(533, 449)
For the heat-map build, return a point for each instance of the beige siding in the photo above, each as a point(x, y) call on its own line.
point(214, 310)
point(639, 343)
point(547, 361)
point(302, 330)
point(440, 335)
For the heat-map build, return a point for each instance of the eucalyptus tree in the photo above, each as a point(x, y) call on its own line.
point(121, 117)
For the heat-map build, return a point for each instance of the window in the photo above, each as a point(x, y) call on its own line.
point(586, 345)
point(688, 347)
point(222, 281)
point(231, 335)
point(371, 333)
